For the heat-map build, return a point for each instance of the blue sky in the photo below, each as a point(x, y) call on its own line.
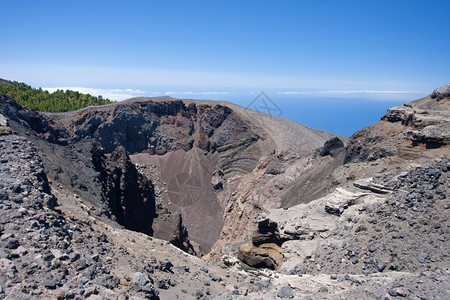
point(298, 52)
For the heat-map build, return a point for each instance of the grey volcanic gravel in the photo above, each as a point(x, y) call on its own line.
point(409, 232)
point(387, 236)
point(46, 254)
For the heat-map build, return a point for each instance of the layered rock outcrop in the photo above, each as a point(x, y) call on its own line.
point(68, 252)
point(196, 152)
point(404, 130)
point(383, 231)
point(264, 251)
point(263, 256)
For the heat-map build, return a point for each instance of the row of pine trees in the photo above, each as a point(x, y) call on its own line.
point(41, 100)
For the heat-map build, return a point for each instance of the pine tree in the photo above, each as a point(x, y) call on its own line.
point(58, 101)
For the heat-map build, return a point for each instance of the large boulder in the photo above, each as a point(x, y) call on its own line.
point(332, 147)
point(263, 256)
point(442, 92)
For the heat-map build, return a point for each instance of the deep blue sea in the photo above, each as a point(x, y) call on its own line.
point(339, 115)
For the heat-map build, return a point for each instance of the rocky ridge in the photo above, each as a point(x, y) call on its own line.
point(53, 246)
point(182, 146)
point(393, 223)
point(387, 241)
point(405, 130)
point(359, 219)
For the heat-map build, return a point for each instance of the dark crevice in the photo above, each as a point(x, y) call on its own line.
point(129, 195)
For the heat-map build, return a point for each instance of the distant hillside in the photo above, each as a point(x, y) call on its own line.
point(37, 99)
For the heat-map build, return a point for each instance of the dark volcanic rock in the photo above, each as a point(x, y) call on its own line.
point(223, 133)
point(267, 226)
point(130, 195)
point(332, 147)
point(180, 238)
point(367, 145)
point(50, 283)
point(40, 124)
point(159, 127)
point(166, 266)
point(3, 195)
point(12, 244)
point(267, 233)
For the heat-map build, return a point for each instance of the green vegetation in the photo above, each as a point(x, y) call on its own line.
point(40, 100)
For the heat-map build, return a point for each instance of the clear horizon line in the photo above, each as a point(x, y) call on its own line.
point(347, 92)
point(126, 93)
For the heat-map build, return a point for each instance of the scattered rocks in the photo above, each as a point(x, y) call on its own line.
point(20, 251)
point(43, 248)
